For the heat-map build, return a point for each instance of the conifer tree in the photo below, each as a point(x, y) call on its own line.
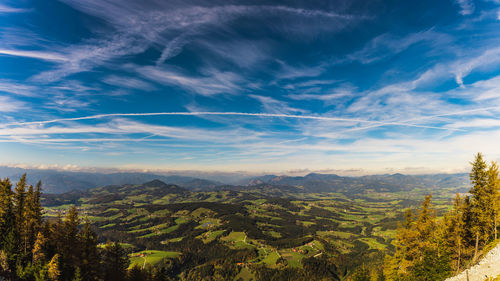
point(454, 232)
point(54, 271)
point(39, 249)
point(425, 226)
point(115, 262)
point(30, 225)
point(479, 202)
point(70, 251)
point(89, 264)
point(19, 204)
point(7, 218)
point(493, 185)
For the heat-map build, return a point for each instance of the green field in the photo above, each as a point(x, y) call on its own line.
point(150, 257)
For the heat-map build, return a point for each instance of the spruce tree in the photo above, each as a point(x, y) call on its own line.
point(70, 251)
point(19, 204)
point(454, 232)
point(115, 262)
point(39, 249)
point(89, 264)
point(54, 270)
point(492, 189)
point(7, 218)
point(479, 179)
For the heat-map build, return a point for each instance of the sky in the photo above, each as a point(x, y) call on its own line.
point(266, 86)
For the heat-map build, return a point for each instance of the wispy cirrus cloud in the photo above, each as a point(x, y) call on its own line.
point(128, 82)
point(48, 56)
point(272, 105)
point(18, 88)
point(138, 27)
point(7, 9)
point(213, 82)
point(467, 7)
point(387, 45)
point(11, 105)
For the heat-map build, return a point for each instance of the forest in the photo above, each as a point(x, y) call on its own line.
point(157, 231)
point(432, 248)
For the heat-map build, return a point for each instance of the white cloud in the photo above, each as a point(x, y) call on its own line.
point(214, 81)
point(487, 59)
point(387, 44)
point(18, 89)
point(11, 105)
point(7, 9)
point(466, 6)
point(272, 105)
point(165, 25)
point(128, 82)
point(49, 56)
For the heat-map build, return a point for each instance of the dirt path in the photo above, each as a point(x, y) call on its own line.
point(488, 267)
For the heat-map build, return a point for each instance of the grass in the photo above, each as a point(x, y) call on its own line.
point(234, 236)
point(373, 243)
point(150, 257)
point(294, 259)
point(270, 260)
point(209, 236)
point(245, 274)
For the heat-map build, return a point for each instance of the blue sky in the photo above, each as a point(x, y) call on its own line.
point(349, 87)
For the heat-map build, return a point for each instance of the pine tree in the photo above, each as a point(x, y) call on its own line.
point(77, 276)
point(398, 265)
point(39, 249)
point(54, 270)
point(19, 204)
point(89, 264)
point(425, 226)
point(115, 262)
point(30, 224)
point(479, 180)
point(136, 273)
point(70, 251)
point(492, 190)
point(454, 232)
point(7, 218)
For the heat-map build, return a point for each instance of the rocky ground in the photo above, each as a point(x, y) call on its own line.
point(487, 269)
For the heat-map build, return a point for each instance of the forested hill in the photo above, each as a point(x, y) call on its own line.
point(65, 181)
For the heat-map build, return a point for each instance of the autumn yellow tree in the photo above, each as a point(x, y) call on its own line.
point(54, 268)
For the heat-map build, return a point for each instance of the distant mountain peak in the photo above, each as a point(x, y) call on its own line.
point(155, 183)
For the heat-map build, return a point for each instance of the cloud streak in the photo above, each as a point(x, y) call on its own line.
point(48, 56)
point(271, 115)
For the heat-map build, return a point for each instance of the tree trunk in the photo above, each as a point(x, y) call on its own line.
point(496, 226)
point(476, 248)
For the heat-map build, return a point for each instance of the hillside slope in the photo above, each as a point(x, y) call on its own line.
point(488, 267)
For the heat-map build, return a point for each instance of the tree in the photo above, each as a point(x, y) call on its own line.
point(492, 197)
point(454, 232)
point(39, 249)
point(54, 271)
point(18, 203)
point(70, 251)
point(77, 276)
point(115, 262)
point(137, 274)
point(479, 179)
point(425, 226)
point(89, 264)
point(6, 209)
point(361, 274)
point(416, 241)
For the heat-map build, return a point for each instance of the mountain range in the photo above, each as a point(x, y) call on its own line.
point(55, 181)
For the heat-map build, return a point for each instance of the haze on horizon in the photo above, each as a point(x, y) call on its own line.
point(368, 86)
